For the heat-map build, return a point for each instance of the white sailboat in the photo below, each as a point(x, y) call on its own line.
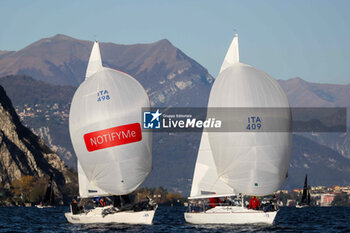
point(114, 155)
point(248, 162)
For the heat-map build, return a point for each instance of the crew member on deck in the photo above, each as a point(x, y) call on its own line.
point(226, 201)
point(102, 202)
point(254, 203)
point(214, 201)
point(74, 207)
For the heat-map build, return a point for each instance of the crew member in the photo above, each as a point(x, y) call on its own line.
point(254, 203)
point(102, 202)
point(74, 206)
point(214, 201)
point(226, 201)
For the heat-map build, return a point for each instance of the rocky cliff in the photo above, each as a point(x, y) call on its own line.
point(23, 153)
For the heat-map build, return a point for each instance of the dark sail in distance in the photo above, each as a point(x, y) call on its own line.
point(49, 195)
point(305, 199)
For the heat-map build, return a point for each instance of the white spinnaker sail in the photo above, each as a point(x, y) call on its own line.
point(86, 188)
point(253, 163)
point(105, 128)
point(205, 177)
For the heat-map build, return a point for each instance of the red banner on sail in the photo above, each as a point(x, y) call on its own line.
point(111, 137)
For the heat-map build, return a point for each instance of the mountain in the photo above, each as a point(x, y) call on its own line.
point(23, 153)
point(171, 79)
point(305, 94)
point(49, 59)
point(62, 60)
point(3, 53)
point(323, 165)
point(35, 92)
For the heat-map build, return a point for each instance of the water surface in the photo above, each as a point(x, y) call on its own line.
point(170, 219)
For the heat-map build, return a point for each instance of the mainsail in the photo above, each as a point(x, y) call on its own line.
point(251, 162)
point(87, 188)
point(114, 155)
point(205, 178)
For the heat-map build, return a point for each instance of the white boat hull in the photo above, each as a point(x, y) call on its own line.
point(127, 217)
point(231, 215)
point(44, 206)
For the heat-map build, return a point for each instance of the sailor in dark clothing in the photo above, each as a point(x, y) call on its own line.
point(126, 199)
point(117, 202)
point(96, 201)
point(226, 201)
point(74, 207)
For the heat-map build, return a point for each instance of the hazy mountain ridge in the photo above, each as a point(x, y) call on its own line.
point(314, 159)
point(4, 53)
point(305, 94)
point(314, 153)
point(48, 59)
point(62, 60)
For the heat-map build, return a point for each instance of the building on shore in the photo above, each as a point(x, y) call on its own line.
point(327, 199)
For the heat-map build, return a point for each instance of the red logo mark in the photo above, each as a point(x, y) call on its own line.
point(115, 136)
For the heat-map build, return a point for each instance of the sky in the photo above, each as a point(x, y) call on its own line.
point(286, 39)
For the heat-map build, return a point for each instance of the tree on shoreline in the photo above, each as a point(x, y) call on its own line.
point(28, 189)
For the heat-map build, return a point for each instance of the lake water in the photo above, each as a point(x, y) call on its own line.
point(170, 219)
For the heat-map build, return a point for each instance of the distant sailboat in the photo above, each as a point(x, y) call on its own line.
point(305, 198)
point(114, 155)
point(246, 163)
point(49, 196)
